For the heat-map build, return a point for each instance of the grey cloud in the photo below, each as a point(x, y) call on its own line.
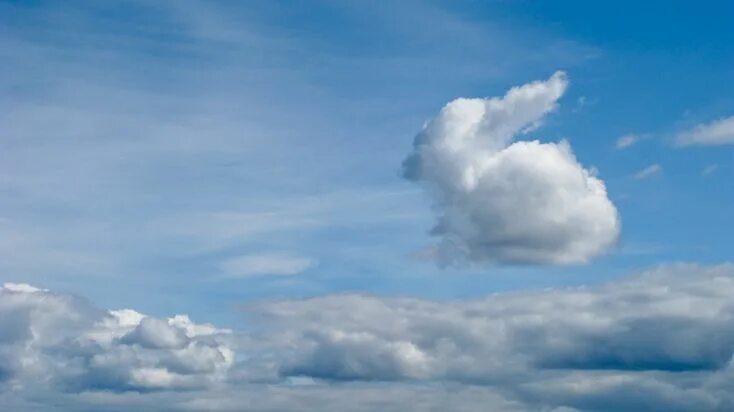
point(63, 341)
point(156, 334)
point(676, 319)
point(662, 340)
point(659, 340)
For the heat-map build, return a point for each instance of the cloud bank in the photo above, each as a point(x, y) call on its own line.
point(660, 340)
point(505, 201)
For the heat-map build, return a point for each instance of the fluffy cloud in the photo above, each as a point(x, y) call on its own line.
point(64, 342)
point(671, 319)
point(504, 201)
point(718, 132)
point(660, 340)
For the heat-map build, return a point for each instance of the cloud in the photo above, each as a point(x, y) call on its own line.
point(498, 201)
point(710, 169)
point(641, 323)
point(626, 141)
point(719, 132)
point(648, 172)
point(265, 264)
point(584, 347)
point(658, 340)
point(63, 341)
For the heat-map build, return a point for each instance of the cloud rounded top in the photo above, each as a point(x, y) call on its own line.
point(505, 201)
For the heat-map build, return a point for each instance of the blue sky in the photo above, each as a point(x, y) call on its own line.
point(132, 131)
point(198, 157)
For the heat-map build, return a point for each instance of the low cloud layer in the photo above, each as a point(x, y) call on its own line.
point(65, 342)
point(503, 201)
point(660, 340)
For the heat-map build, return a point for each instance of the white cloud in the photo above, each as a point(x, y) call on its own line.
point(626, 141)
point(668, 319)
point(265, 264)
point(499, 201)
point(583, 347)
point(648, 172)
point(62, 341)
point(660, 340)
point(718, 132)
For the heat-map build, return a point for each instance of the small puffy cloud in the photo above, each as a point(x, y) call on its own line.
point(510, 202)
point(648, 172)
point(719, 132)
point(626, 141)
point(265, 264)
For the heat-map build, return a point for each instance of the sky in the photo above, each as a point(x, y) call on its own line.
point(441, 204)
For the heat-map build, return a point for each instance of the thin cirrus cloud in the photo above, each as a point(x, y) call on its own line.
point(626, 141)
point(719, 132)
point(657, 340)
point(710, 169)
point(648, 172)
point(501, 201)
point(270, 264)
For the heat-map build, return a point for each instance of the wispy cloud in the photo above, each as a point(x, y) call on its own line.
point(626, 141)
point(719, 132)
point(648, 172)
point(129, 147)
point(710, 169)
point(277, 264)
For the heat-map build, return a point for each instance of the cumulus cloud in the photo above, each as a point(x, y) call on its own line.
point(510, 202)
point(648, 172)
point(719, 132)
point(676, 318)
point(63, 341)
point(659, 340)
point(665, 335)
